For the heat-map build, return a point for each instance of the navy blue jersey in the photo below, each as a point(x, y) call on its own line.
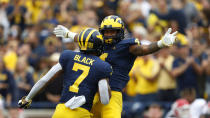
point(121, 60)
point(81, 75)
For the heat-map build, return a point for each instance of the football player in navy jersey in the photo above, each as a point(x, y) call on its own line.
point(84, 74)
point(121, 54)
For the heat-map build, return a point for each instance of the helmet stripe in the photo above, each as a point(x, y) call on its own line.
point(118, 19)
point(81, 41)
point(79, 38)
point(88, 37)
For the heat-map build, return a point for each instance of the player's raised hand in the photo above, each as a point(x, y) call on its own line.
point(23, 103)
point(168, 39)
point(61, 31)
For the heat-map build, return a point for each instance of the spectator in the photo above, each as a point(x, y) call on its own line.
point(130, 90)
point(207, 72)
point(134, 16)
point(10, 57)
point(140, 33)
point(40, 69)
point(4, 19)
point(185, 69)
point(191, 13)
point(166, 81)
point(175, 13)
point(1, 34)
point(50, 45)
point(200, 56)
point(34, 10)
point(146, 70)
point(155, 24)
point(23, 78)
point(16, 14)
point(38, 50)
point(154, 111)
point(24, 50)
point(52, 93)
point(7, 84)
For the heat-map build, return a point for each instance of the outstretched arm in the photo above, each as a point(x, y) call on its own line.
point(51, 74)
point(61, 31)
point(140, 50)
point(167, 40)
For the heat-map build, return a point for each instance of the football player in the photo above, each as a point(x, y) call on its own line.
point(84, 73)
point(121, 54)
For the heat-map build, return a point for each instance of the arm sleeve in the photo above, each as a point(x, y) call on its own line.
point(131, 41)
point(107, 71)
point(63, 58)
point(103, 84)
point(103, 87)
point(42, 82)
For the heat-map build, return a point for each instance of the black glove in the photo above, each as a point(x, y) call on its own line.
point(23, 103)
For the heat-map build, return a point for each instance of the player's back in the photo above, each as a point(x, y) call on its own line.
point(81, 75)
point(121, 60)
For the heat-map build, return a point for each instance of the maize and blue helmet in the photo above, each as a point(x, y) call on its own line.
point(112, 22)
point(90, 41)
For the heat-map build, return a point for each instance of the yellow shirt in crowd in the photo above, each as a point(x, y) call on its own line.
point(10, 60)
point(147, 69)
point(36, 9)
point(154, 21)
point(165, 81)
point(131, 86)
point(182, 39)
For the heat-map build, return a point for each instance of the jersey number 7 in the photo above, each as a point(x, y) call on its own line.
point(74, 88)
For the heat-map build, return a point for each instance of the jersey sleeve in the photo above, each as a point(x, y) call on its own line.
point(64, 57)
point(131, 41)
point(106, 71)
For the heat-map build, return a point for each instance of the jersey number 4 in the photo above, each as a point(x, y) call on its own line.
point(85, 69)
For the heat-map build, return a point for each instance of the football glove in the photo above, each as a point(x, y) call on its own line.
point(61, 31)
point(23, 103)
point(168, 39)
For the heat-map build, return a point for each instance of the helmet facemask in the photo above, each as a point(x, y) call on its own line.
point(113, 39)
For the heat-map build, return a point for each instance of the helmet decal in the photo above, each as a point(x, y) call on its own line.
point(90, 40)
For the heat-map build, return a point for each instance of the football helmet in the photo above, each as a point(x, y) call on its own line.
point(90, 41)
point(112, 22)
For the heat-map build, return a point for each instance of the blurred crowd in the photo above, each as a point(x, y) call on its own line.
point(28, 48)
